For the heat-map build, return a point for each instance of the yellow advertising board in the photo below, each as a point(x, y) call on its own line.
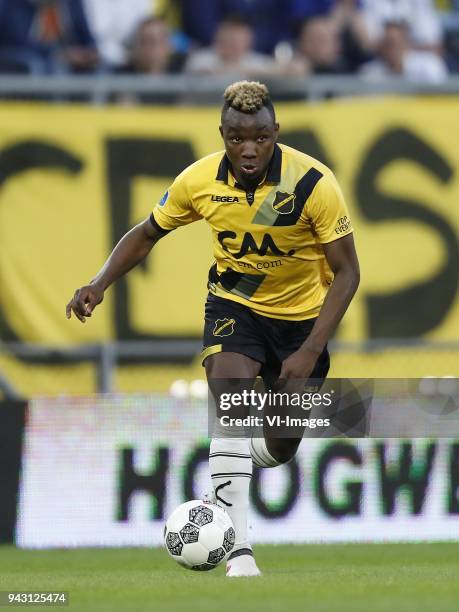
point(73, 180)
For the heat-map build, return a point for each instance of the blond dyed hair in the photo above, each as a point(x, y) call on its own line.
point(247, 97)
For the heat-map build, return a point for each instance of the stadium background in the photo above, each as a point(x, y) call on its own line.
point(95, 449)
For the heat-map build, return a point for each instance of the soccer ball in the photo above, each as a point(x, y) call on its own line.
point(199, 535)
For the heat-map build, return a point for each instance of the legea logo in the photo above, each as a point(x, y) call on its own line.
point(219, 198)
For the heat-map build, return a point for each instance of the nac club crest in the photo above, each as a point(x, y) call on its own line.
point(224, 327)
point(284, 203)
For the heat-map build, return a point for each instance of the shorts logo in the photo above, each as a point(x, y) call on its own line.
point(224, 327)
point(284, 203)
point(163, 200)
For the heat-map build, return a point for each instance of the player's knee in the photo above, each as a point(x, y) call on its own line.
point(282, 450)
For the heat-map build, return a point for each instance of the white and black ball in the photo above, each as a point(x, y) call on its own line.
point(199, 535)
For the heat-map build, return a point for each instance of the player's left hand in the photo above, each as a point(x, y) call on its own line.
point(299, 364)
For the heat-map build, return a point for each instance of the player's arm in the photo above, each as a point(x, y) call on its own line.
point(327, 211)
point(130, 250)
point(342, 259)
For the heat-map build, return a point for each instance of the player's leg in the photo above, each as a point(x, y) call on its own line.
point(267, 447)
point(233, 349)
point(284, 338)
point(229, 458)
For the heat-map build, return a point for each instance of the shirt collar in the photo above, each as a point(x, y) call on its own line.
point(273, 173)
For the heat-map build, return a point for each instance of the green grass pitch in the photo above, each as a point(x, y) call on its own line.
point(320, 578)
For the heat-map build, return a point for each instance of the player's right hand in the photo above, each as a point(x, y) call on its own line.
point(84, 301)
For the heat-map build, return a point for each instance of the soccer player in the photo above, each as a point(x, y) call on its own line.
point(286, 270)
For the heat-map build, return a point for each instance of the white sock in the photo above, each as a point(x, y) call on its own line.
point(231, 471)
point(260, 454)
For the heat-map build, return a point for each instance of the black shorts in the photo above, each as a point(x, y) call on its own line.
point(232, 327)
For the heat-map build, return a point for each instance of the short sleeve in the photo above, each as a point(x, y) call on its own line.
point(327, 210)
point(175, 207)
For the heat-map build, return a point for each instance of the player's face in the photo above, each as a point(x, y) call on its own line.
point(249, 143)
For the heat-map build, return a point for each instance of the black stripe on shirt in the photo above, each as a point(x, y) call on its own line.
point(303, 190)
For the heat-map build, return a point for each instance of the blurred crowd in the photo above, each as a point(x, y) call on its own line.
point(417, 40)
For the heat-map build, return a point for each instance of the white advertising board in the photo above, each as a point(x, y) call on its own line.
point(107, 471)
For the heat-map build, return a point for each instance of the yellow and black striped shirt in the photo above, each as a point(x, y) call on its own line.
point(267, 244)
